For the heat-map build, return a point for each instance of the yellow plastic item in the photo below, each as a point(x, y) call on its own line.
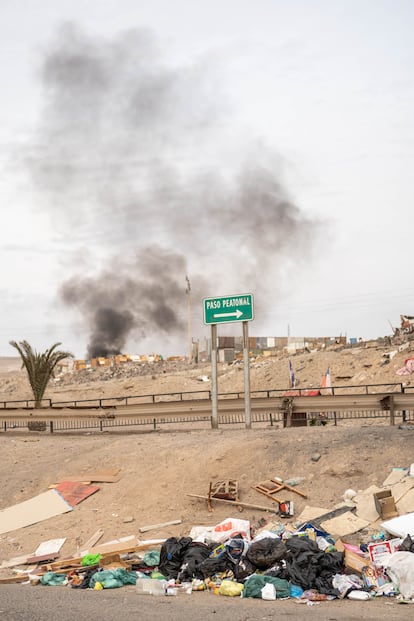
point(228, 587)
point(98, 586)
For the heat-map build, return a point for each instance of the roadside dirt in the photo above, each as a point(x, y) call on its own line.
point(159, 469)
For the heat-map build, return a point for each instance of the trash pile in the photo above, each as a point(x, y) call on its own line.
point(266, 561)
point(311, 559)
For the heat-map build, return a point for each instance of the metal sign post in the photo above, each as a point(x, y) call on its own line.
point(214, 382)
point(247, 406)
point(227, 309)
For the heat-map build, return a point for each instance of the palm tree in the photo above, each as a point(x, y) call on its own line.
point(40, 367)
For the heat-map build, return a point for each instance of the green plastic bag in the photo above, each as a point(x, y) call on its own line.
point(52, 579)
point(254, 584)
point(113, 579)
point(91, 559)
point(156, 575)
point(152, 558)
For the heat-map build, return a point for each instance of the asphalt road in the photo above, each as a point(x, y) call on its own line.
point(45, 603)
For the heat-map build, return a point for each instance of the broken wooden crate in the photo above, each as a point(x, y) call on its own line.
point(272, 487)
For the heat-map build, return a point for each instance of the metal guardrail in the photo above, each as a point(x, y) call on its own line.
point(268, 410)
point(374, 389)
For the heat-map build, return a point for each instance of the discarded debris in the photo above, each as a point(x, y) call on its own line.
point(145, 529)
point(310, 561)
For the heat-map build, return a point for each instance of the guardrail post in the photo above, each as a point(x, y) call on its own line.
point(287, 405)
point(387, 404)
point(214, 384)
point(51, 426)
point(154, 422)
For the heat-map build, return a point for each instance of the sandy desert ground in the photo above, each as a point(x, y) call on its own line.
point(158, 469)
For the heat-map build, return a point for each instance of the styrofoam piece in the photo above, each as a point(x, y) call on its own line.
point(400, 526)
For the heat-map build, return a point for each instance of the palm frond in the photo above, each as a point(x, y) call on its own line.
point(39, 366)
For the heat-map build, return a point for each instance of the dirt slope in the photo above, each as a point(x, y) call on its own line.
point(159, 469)
point(369, 364)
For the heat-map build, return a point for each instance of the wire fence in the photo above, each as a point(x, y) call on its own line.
point(258, 419)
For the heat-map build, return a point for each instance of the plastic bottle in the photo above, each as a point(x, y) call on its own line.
point(294, 481)
point(151, 586)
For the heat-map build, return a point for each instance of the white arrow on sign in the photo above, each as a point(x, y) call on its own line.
point(237, 314)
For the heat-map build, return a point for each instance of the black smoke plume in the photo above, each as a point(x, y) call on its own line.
point(130, 158)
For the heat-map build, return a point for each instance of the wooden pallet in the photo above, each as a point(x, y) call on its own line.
point(224, 490)
point(271, 487)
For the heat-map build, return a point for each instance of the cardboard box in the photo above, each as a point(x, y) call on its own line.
point(385, 504)
point(381, 550)
point(355, 562)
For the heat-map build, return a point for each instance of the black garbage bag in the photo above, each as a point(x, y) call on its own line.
point(330, 563)
point(311, 568)
point(216, 565)
point(266, 552)
point(407, 545)
point(171, 556)
point(278, 570)
point(192, 559)
point(244, 569)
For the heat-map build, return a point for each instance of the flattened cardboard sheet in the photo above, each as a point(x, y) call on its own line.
point(74, 492)
point(41, 507)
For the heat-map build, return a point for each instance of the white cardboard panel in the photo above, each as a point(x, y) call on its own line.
point(41, 507)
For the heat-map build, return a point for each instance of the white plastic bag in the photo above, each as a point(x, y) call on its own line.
point(268, 591)
point(230, 528)
point(400, 568)
point(346, 583)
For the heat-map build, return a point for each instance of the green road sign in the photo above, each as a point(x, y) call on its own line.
point(228, 308)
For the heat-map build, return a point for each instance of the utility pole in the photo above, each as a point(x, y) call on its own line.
point(189, 337)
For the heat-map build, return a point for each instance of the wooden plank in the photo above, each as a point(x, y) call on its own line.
point(235, 503)
point(33, 560)
point(103, 476)
point(93, 539)
point(145, 529)
point(271, 487)
point(17, 560)
point(105, 549)
point(14, 579)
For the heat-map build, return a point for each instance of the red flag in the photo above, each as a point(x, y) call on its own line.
point(326, 383)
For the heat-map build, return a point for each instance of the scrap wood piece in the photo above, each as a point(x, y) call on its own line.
point(210, 508)
point(114, 561)
point(144, 529)
point(228, 489)
point(236, 503)
point(271, 487)
point(74, 492)
point(113, 545)
point(65, 565)
point(17, 560)
point(36, 509)
point(41, 558)
point(94, 539)
point(52, 546)
point(103, 476)
point(14, 579)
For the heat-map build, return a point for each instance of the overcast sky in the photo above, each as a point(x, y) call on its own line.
point(255, 146)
